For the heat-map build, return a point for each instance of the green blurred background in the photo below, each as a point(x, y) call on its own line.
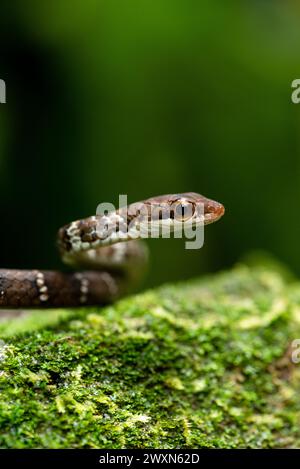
point(149, 97)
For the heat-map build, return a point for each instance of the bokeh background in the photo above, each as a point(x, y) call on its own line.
point(145, 97)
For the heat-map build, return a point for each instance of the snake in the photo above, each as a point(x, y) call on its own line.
point(106, 252)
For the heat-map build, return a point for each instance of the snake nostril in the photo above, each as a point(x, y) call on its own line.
point(210, 208)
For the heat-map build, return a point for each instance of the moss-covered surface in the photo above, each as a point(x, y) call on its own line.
point(196, 365)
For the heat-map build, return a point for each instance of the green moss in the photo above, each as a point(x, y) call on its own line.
point(201, 364)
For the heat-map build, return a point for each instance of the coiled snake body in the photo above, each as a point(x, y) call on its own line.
point(97, 244)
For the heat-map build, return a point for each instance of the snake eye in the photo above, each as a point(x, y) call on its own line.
point(183, 211)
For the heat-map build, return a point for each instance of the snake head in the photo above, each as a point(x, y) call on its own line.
point(188, 207)
point(211, 210)
point(173, 211)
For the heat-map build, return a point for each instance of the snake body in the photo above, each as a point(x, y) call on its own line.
point(107, 252)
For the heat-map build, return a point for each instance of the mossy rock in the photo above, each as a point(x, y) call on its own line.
point(202, 364)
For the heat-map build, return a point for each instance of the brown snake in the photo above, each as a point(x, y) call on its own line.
point(97, 244)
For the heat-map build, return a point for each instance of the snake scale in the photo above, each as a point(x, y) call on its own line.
point(107, 267)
